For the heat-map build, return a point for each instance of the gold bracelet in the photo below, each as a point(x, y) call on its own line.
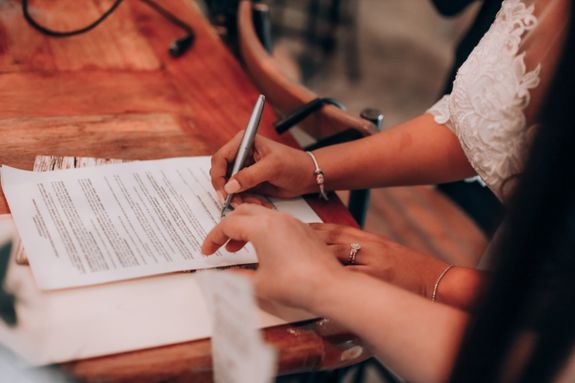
point(319, 177)
point(436, 286)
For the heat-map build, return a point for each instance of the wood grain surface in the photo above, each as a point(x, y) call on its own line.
point(115, 92)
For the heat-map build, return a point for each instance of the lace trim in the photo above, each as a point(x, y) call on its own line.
point(491, 90)
point(440, 111)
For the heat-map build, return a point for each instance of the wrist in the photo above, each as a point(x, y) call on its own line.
point(319, 176)
point(438, 281)
point(310, 186)
point(308, 169)
point(319, 293)
point(460, 287)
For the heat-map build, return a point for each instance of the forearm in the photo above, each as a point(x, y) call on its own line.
point(461, 286)
point(414, 336)
point(419, 151)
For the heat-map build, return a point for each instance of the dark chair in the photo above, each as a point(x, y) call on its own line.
point(7, 298)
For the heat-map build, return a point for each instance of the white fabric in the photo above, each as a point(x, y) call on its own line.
point(490, 93)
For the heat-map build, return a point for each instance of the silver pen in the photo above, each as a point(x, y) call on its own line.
point(246, 145)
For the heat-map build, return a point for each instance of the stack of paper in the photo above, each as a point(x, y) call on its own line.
point(92, 226)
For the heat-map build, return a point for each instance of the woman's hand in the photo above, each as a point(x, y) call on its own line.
point(382, 258)
point(294, 263)
point(276, 170)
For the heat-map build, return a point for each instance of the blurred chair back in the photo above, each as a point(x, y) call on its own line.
point(284, 94)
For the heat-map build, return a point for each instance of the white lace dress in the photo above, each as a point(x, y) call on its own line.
point(490, 92)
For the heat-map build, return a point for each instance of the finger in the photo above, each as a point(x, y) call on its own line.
point(251, 199)
point(335, 234)
point(251, 176)
point(271, 190)
point(359, 268)
point(242, 271)
point(220, 160)
point(342, 252)
point(250, 210)
point(319, 226)
point(234, 245)
point(218, 171)
point(237, 200)
point(234, 226)
point(257, 200)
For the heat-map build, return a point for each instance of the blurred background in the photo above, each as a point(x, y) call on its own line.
point(391, 55)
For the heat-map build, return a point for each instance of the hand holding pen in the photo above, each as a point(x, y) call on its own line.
point(246, 146)
point(276, 170)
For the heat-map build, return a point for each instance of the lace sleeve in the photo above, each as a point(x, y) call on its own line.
point(491, 106)
point(440, 111)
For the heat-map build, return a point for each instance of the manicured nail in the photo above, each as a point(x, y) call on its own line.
point(232, 187)
point(221, 196)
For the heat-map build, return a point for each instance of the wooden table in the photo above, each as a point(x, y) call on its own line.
point(115, 92)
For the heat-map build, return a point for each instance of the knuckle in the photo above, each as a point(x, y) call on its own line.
point(334, 234)
point(243, 208)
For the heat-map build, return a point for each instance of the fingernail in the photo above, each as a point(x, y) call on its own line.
point(221, 197)
point(232, 187)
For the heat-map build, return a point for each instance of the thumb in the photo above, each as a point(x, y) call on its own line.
point(250, 177)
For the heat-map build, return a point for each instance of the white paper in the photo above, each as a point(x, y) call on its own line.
point(239, 353)
point(57, 326)
point(94, 225)
point(49, 163)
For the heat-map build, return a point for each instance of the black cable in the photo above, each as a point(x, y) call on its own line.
point(177, 48)
point(169, 16)
point(54, 33)
point(181, 45)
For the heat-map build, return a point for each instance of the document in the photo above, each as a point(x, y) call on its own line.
point(120, 221)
